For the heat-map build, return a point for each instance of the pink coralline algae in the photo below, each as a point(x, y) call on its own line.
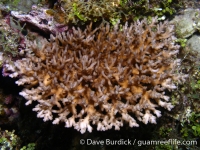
point(39, 19)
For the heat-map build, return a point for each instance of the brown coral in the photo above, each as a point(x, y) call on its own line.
point(103, 77)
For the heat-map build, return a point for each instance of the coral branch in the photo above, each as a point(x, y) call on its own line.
point(103, 77)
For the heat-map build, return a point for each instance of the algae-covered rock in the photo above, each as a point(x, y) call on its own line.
point(194, 43)
point(26, 5)
point(22, 5)
point(187, 23)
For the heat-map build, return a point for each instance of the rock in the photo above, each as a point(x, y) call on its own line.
point(187, 23)
point(194, 43)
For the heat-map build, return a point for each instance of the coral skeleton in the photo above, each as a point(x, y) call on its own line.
point(101, 77)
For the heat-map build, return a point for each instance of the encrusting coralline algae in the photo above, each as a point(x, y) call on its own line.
point(105, 77)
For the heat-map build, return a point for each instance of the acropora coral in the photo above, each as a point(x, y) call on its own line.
point(103, 76)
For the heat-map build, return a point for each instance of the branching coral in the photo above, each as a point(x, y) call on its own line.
point(105, 77)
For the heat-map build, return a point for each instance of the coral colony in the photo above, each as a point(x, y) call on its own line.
point(104, 77)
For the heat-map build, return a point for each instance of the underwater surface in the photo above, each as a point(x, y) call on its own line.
point(99, 74)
